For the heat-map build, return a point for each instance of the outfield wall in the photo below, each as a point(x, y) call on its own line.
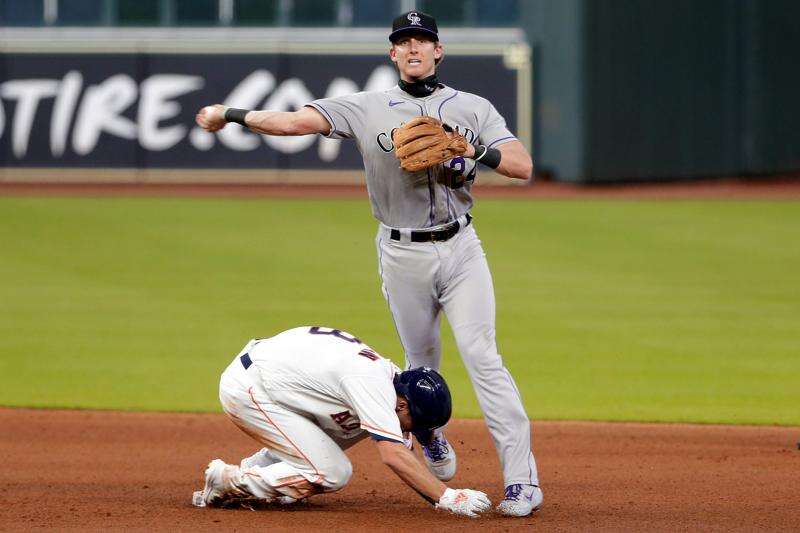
point(662, 89)
point(88, 107)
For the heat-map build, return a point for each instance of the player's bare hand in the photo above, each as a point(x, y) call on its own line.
point(211, 118)
point(465, 502)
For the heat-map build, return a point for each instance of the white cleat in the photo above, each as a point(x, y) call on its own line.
point(220, 486)
point(198, 499)
point(440, 458)
point(521, 500)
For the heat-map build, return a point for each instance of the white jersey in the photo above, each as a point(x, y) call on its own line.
point(330, 377)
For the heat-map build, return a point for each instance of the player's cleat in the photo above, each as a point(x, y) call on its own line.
point(521, 500)
point(252, 503)
point(440, 458)
point(220, 479)
point(198, 498)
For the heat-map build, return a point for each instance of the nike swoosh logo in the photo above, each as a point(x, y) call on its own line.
point(392, 104)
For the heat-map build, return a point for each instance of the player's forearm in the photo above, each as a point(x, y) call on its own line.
point(511, 159)
point(520, 170)
point(515, 161)
point(414, 474)
point(274, 123)
point(304, 121)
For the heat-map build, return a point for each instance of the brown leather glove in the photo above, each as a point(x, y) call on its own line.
point(424, 142)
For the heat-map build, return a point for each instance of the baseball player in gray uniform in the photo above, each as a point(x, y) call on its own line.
point(430, 259)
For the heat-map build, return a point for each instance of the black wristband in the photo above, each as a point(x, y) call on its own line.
point(488, 156)
point(236, 115)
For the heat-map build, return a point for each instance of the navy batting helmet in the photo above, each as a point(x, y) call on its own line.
point(428, 400)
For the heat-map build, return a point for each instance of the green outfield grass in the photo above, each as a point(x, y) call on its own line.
point(607, 310)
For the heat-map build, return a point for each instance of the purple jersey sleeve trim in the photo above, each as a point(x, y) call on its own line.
point(327, 116)
point(501, 140)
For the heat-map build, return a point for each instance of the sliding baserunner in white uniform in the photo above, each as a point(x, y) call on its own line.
point(309, 393)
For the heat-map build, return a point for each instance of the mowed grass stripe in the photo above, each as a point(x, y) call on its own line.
point(607, 310)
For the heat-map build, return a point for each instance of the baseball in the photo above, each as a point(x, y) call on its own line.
point(207, 110)
point(210, 118)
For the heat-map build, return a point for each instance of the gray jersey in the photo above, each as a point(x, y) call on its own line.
point(422, 199)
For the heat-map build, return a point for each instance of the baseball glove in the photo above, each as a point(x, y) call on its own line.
point(424, 142)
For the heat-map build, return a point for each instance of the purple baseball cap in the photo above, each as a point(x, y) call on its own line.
point(414, 22)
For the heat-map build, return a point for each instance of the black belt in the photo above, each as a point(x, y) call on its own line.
point(444, 234)
point(246, 361)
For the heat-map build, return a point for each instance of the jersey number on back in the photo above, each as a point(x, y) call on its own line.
point(366, 352)
point(369, 354)
point(317, 330)
point(339, 334)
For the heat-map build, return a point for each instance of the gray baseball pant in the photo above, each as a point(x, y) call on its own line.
point(419, 280)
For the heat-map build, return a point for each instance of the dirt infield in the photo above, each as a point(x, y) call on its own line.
point(773, 189)
point(93, 470)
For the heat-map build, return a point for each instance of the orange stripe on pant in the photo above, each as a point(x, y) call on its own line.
point(268, 443)
point(320, 477)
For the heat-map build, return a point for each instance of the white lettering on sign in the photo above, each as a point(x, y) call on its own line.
point(27, 93)
point(64, 107)
point(101, 110)
point(120, 107)
point(249, 94)
point(155, 105)
point(329, 148)
point(290, 95)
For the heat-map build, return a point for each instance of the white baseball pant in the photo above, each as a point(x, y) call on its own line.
point(310, 461)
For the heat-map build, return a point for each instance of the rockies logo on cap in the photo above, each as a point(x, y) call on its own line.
point(414, 22)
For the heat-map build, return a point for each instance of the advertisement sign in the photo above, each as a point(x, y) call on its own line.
point(136, 110)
